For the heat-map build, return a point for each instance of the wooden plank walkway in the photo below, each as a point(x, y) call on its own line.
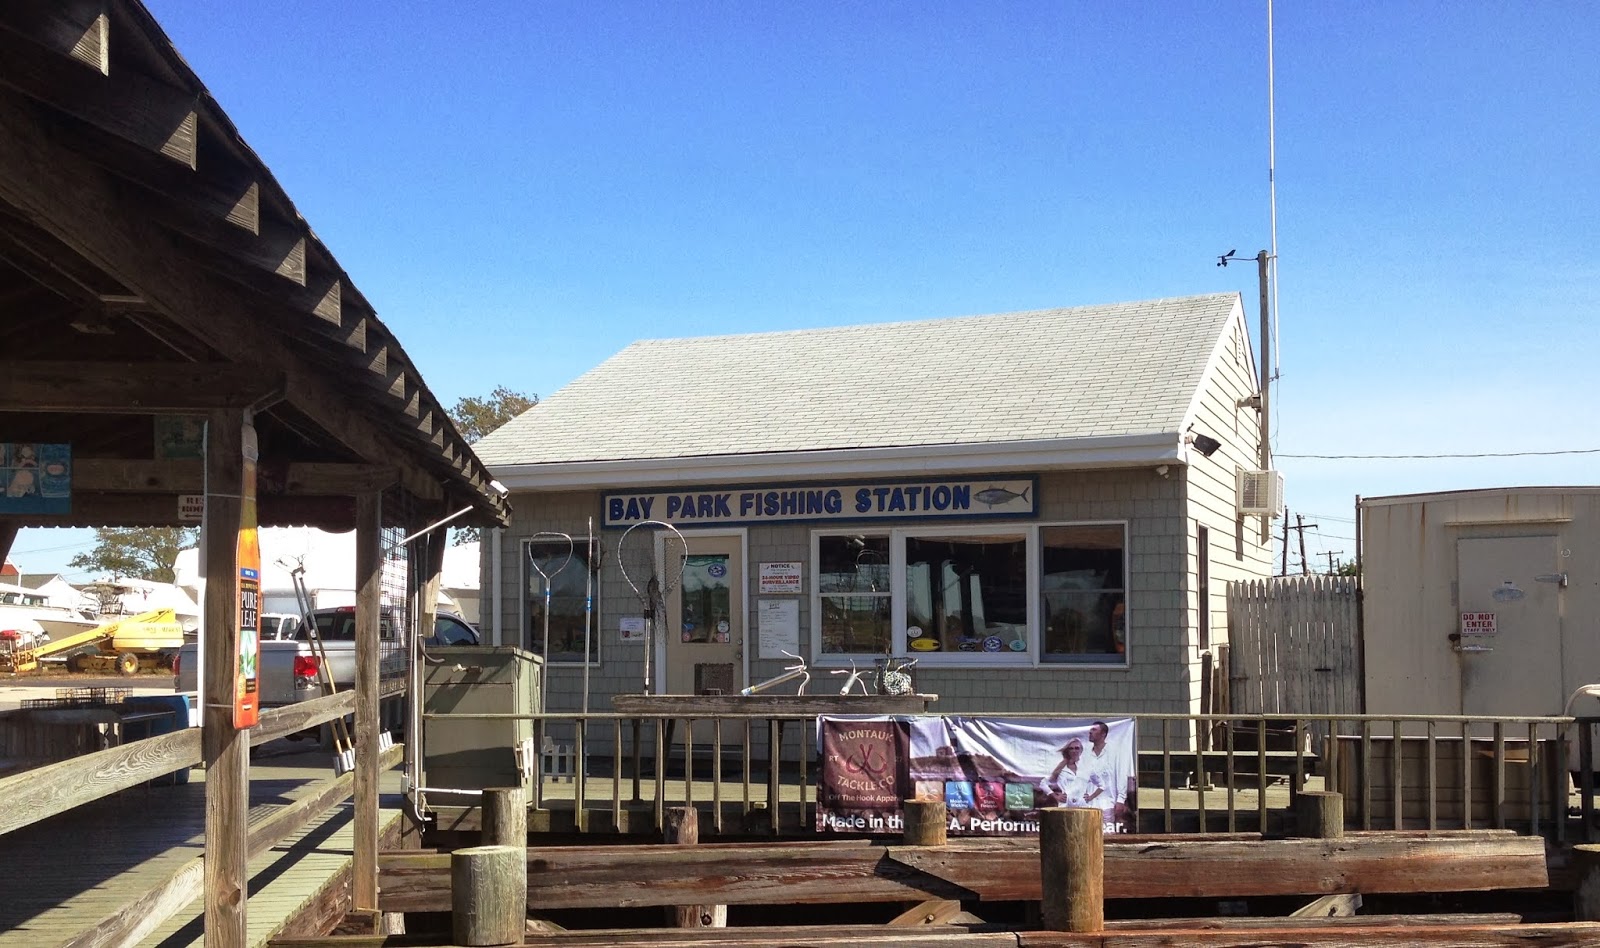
point(67, 872)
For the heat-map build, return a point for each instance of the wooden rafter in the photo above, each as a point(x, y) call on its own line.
point(89, 215)
point(128, 387)
point(148, 113)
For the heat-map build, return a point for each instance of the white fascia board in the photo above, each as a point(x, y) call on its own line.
point(1057, 454)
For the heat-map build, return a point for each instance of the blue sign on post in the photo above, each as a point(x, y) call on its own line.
point(35, 478)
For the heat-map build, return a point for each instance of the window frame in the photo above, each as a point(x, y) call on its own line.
point(580, 543)
point(1031, 534)
point(843, 659)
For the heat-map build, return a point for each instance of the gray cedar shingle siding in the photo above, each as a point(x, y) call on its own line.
point(1084, 372)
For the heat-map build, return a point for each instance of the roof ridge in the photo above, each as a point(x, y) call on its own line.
point(942, 320)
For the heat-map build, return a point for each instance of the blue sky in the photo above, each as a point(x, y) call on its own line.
point(521, 189)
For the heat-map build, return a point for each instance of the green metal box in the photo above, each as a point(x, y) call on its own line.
point(472, 753)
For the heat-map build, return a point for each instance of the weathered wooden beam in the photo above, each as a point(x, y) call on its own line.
point(76, 28)
point(1553, 935)
point(136, 919)
point(369, 593)
point(97, 509)
point(736, 874)
point(73, 200)
point(308, 479)
point(55, 788)
point(131, 106)
point(1389, 930)
point(142, 388)
point(226, 750)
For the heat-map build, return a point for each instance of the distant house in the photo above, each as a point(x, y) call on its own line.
point(1039, 507)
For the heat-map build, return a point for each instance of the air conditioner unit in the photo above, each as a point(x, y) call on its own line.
point(1260, 493)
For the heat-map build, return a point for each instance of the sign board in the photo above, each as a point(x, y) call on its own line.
point(631, 628)
point(191, 507)
point(993, 775)
point(1478, 623)
point(35, 478)
point(780, 578)
point(247, 679)
point(829, 501)
point(777, 627)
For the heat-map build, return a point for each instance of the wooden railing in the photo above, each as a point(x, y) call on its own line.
point(756, 772)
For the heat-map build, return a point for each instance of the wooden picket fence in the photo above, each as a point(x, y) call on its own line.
point(1295, 646)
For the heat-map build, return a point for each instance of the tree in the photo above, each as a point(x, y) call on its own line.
point(476, 417)
point(137, 553)
point(1348, 568)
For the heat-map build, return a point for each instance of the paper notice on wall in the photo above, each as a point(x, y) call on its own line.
point(632, 628)
point(780, 578)
point(778, 627)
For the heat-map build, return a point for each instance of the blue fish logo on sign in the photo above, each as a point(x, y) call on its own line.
point(717, 570)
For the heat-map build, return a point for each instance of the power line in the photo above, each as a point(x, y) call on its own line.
point(1411, 457)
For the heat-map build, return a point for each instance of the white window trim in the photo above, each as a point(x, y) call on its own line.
point(1032, 658)
point(523, 618)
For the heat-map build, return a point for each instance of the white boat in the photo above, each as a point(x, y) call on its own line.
point(19, 602)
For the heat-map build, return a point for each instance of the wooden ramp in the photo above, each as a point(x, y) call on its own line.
point(74, 870)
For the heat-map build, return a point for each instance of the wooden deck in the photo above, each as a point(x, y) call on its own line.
point(68, 872)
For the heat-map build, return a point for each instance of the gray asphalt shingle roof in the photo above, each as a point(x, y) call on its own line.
point(1092, 371)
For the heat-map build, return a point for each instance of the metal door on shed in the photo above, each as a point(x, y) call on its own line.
point(1516, 669)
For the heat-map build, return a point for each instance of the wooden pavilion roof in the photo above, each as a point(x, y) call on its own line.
point(150, 264)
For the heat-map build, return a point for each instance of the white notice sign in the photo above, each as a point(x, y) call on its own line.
point(1478, 623)
point(780, 578)
point(632, 628)
point(191, 507)
point(778, 625)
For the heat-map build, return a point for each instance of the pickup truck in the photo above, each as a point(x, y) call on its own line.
point(290, 669)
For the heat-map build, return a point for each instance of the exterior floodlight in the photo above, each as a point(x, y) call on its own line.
point(1205, 444)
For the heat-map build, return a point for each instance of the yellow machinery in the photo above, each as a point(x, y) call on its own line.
point(127, 644)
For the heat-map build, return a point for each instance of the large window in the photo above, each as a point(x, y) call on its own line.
point(967, 593)
point(1083, 597)
point(974, 595)
point(568, 591)
point(853, 594)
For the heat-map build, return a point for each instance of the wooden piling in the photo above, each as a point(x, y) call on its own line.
point(1319, 814)
point(925, 823)
point(505, 818)
point(681, 827)
point(488, 895)
point(1072, 869)
point(1586, 882)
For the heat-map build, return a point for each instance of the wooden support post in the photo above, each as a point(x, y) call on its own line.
point(1072, 869)
point(505, 817)
point(369, 572)
point(8, 536)
point(925, 823)
point(226, 752)
point(1586, 882)
point(489, 895)
point(1319, 814)
point(682, 828)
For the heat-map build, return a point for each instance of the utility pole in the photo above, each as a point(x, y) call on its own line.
point(1285, 570)
point(1300, 527)
point(1330, 554)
